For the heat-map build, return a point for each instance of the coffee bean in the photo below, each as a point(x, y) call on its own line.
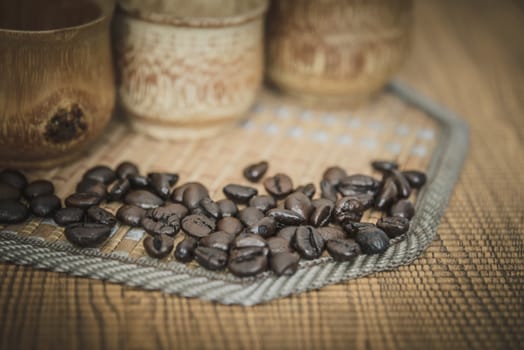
point(178, 193)
point(285, 217)
point(384, 166)
point(387, 194)
point(230, 225)
point(219, 239)
point(14, 178)
point(403, 208)
point(328, 232)
point(193, 194)
point(358, 183)
point(175, 208)
point(126, 169)
point(138, 181)
point(299, 203)
point(247, 262)
point(278, 245)
point(87, 234)
point(12, 211)
point(333, 175)
point(308, 242)
point(118, 189)
point(266, 227)
point(211, 208)
point(238, 193)
point(158, 246)
point(372, 240)
point(322, 212)
point(348, 209)
point(327, 190)
point(352, 228)
point(211, 258)
point(90, 185)
point(198, 225)
point(161, 220)
point(161, 183)
point(101, 216)
point(45, 206)
point(101, 173)
point(287, 233)
point(227, 207)
point(39, 188)
point(342, 249)
point(263, 202)
point(250, 216)
point(185, 250)
point(66, 216)
point(393, 225)
point(143, 199)
point(367, 199)
point(279, 185)
point(403, 187)
point(255, 172)
point(308, 189)
point(8, 192)
point(131, 215)
point(83, 200)
point(416, 179)
point(284, 264)
point(244, 240)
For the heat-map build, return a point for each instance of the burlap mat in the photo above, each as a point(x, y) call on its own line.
point(298, 140)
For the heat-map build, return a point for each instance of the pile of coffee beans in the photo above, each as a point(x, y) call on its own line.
point(246, 232)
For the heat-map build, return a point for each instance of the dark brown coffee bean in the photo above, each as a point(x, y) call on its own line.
point(352, 228)
point(211, 258)
point(250, 216)
point(279, 185)
point(403, 208)
point(328, 232)
point(90, 185)
point(342, 249)
point(230, 225)
point(138, 181)
point(158, 246)
point(255, 172)
point(83, 200)
point(366, 199)
point(227, 207)
point(244, 240)
point(178, 193)
point(118, 189)
point(39, 188)
point(211, 208)
point(247, 262)
point(131, 215)
point(393, 225)
point(387, 194)
point(266, 227)
point(328, 191)
point(126, 169)
point(278, 245)
point(299, 203)
point(284, 264)
point(263, 202)
point(384, 166)
point(416, 178)
point(143, 199)
point(185, 250)
point(14, 178)
point(45, 206)
point(285, 217)
point(219, 239)
point(87, 234)
point(169, 225)
point(360, 182)
point(8, 192)
point(287, 233)
point(175, 208)
point(12, 211)
point(101, 173)
point(238, 193)
point(372, 240)
point(348, 209)
point(403, 187)
point(334, 175)
point(307, 189)
point(161, 183)
point(308, 242)
point(198, 225)
point(322, 212)
point(193, 194)
point(66, 216)
point(101, 216)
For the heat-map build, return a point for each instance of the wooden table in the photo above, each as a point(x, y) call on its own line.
point(466, 291)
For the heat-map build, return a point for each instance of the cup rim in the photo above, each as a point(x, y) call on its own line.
point(259, 8)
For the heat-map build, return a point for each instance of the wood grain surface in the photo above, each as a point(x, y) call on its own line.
point(466, 291)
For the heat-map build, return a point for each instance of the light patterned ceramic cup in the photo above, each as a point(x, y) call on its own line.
point(187, 69)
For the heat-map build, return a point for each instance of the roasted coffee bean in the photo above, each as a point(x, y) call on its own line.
point(278, 245)
point(118, 189)
point(366, 199)
point(14, 178)
point(90, 185)
point(175, 208)
point(343, 249)
point(198, 225)
point(266, 227)
point(211, 208)
point(12, 211)
point(359, 182)
point(307, 189)
point(247, 262)
point(39, 188)
point(101, 173)
point(299, 203)
point(227, 207)
point(193, 194)
point(126, 169)
point(101, 216)
point(279, 185)
point(416, 179)
point(393, 225)
point(308, 242)
point(352, 228)
point(244, 240)
point(158, 246)
point(284, 264)
point(45, 206)
point(322, 212)
point(372, 240)
point(161, 183)
point(238, 193)
point(328, 191)
point(334, 175)
point(384, 166)
point(403, 208)
point(348, 209)
point(211, 258)
point(88, 234)
point(131, 215)
point(403, 187)
point(347, 191)
point(161, 220)
point(138, 181)
point(8, 192)
point(255, 172)
point(263, 202)
point(83, 200)
point(143, 199)
point(66, 216)
point(178, 193)
point(387, 194)
point(230, 225)
point(329, 232)
point(185, 250)
point(285, 217)
point(219, 239)
point(250, 216)
point(287, 233)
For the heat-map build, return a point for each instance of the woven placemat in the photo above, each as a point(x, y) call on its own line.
point(298, 140)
